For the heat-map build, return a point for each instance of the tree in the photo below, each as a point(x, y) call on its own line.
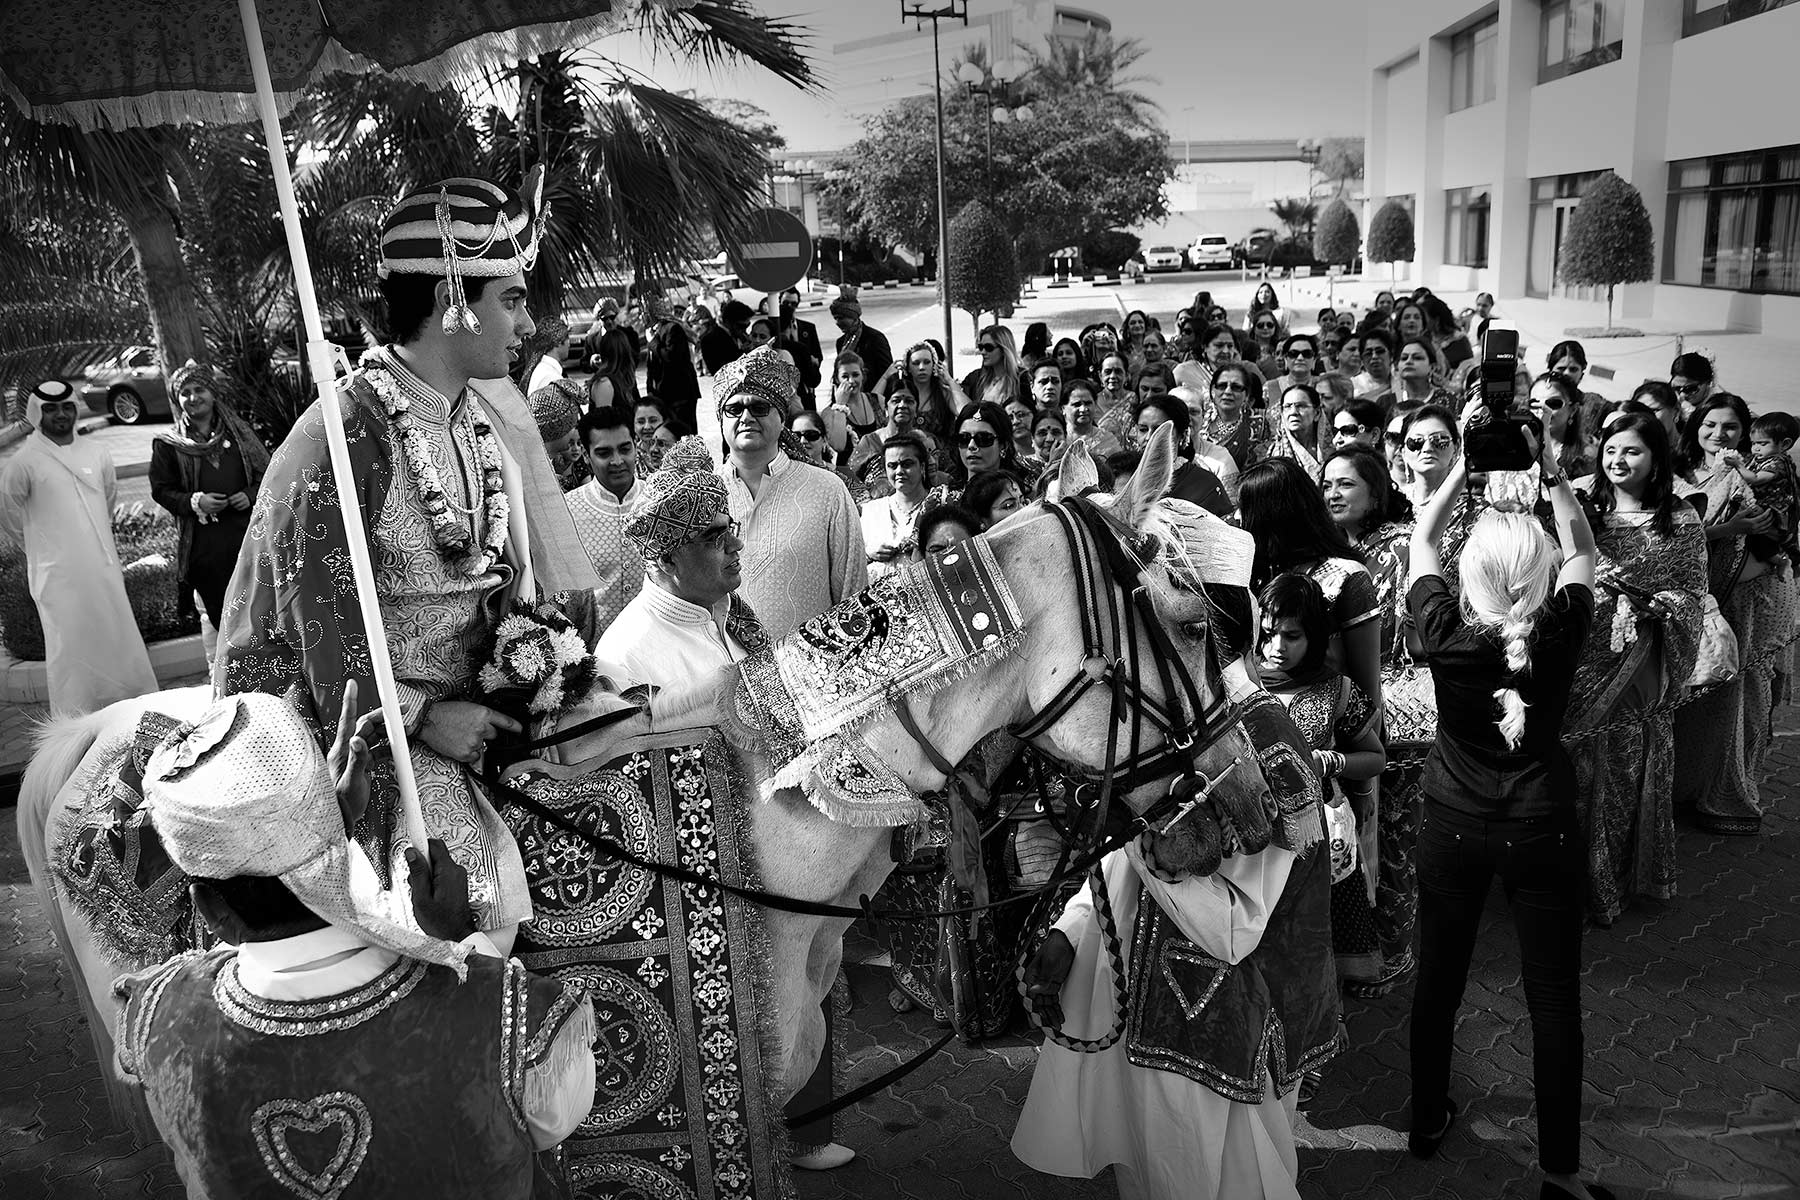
point(1610, 239)
point(1296, 214)
point(982, 274)
point(1391, 234)
point(1097, 65)
point(1336, 238)
point(1340, 162)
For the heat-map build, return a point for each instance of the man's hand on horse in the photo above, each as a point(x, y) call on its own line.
point(348, 758)
point(1045, 974)
point(461, 729)
point(440, 893)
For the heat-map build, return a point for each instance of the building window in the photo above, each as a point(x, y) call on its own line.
point(1698, 16)
point(1579, 34)
point(1473, 64)
point(1466, 226)
point(1554, 199)
point(1734, 222)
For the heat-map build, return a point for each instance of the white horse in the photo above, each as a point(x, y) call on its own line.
point(799, 851)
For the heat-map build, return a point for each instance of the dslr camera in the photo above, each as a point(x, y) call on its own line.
point(1497, 442)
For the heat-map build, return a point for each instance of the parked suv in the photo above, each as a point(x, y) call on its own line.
point(1210, 252)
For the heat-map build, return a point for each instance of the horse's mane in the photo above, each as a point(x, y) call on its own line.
point(1177, 537)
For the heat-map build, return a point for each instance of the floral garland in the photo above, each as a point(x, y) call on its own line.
point(454, 539)
point(540, 656)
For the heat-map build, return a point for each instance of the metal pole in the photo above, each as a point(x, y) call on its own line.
point(990, 149)
point(937, 82)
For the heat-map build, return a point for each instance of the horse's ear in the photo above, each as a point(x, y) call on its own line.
point(1076, 473)
point(1150, 482)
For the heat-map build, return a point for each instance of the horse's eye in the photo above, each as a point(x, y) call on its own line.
point(1195, 630)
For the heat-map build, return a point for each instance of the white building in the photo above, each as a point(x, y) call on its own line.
point(1490, 119)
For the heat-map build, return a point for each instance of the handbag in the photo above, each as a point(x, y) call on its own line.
point(1408, 697)
point(1340, 835)
point(1718, 657)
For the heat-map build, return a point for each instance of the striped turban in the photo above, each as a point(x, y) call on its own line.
point(461, 228)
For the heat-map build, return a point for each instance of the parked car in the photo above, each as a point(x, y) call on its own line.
point(1256, 247)
point(130, 388)
point(1162, 258)
point(1210, 252)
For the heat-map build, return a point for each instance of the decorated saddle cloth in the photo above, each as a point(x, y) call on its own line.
point(111, 866)
point(915, 630)
point(678, 972)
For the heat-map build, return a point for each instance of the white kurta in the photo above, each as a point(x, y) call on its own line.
point(803, 546)
point(1170, 1137)
point(600, 519)
point(888, 521)
point(662, 640)
point(57, 502)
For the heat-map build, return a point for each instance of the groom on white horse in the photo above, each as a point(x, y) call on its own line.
point(444, 490)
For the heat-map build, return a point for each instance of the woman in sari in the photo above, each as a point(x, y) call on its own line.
point(1725, 738)
point(1648, 585)
point(1299, 435)
point(1363, 503)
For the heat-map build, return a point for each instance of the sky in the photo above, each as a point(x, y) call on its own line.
point(1250, 69)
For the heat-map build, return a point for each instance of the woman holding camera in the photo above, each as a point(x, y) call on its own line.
point(1647, 613)
point(1725, 737)
point(1500, 797)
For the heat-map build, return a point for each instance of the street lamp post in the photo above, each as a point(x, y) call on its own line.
point(1310, 149)
point(995, 87)
point(803, 173)
point(917, 12)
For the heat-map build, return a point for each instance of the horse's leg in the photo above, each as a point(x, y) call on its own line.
point(803, 853)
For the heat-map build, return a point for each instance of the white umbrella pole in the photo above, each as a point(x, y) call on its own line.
point(318, 357)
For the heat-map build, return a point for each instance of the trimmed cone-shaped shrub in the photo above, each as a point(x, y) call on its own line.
point(983, 275)
point(1610, 239)
point(1337, 236)
point(1391, 234)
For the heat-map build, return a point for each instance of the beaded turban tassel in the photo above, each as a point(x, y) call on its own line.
point(465, 227)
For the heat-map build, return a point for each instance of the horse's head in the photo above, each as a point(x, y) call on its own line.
point(1115, 668)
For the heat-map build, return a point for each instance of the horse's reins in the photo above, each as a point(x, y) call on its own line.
point(1113, 581)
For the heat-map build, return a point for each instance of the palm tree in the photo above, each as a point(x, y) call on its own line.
point(1296, 214)
point(1099, 64)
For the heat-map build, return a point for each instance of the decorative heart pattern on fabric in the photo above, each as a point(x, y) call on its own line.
point(337, 1120)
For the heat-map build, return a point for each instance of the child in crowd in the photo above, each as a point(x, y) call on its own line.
point(1772, 479)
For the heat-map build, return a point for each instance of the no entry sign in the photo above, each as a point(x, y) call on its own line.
point(772, 250)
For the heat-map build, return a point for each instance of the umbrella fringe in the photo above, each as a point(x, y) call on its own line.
point(462, 66)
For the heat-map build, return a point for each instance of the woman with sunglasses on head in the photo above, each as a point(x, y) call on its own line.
point(1725, 738)
point(1648, 601)
point(937, 397)
point(1378, 521)
point(997, 379)
point(1503, 644)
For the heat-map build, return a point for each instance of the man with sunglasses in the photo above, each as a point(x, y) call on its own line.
point(803, 548)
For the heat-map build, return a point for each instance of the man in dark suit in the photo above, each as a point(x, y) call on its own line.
point(870, 345)
point(724, 342)
point(801, 339)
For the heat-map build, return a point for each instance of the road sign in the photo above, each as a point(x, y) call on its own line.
point(772, 250)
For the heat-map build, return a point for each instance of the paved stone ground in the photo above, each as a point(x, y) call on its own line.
point(1693, 1074)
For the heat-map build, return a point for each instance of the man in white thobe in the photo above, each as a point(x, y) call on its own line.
point(56, 500)
point(602, 506)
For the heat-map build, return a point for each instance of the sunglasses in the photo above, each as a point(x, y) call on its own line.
point(1686, 389)
point(1353, 428)
point(1301, 354)
point(1553, 404)
point(987, 347)
point(716, 537)
point(981, 440)
point(756, 408)
point(1221, 385)
point(1436, 441)
point(808, 435)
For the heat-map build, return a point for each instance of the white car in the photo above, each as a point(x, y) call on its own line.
point(1162, 258)
point(1209, 252)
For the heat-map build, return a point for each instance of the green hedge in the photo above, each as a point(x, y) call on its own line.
point(147, 539)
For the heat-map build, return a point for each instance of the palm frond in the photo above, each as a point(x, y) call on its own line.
point(72, 298)
point(726, 33)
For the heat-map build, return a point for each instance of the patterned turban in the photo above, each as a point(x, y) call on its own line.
point(763, 374)
point(193, 372)
point(680, 502)
point(244, 790)
point(556, 407)
point(847, 306)
point(464, 228)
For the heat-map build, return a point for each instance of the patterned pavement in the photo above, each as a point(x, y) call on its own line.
point(1693, 1076)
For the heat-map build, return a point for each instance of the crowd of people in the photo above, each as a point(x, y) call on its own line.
point(1526, 673)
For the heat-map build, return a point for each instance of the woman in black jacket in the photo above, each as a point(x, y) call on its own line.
point(1500, 797)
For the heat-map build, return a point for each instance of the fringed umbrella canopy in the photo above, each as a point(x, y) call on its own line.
point(125, 63)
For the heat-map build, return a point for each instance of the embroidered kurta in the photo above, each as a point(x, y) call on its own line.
point(292, 626)
point(600, 519)
point(271, 1075)
point(56, 502)
point(1176, 1137)
point(803, 545)
point(890, 521)
point(661, 639)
